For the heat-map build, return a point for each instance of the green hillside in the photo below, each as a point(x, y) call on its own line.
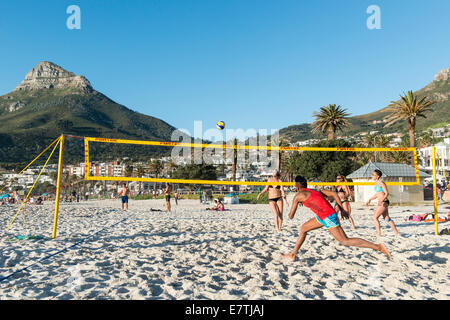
point(32, 119)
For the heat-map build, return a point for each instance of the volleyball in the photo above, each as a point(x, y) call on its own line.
point(220, 125)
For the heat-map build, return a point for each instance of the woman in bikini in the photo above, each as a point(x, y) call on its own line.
point(276, 196)
point(382, 194)
point(344, 195)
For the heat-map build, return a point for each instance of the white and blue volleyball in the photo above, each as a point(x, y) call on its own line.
point(220, 125)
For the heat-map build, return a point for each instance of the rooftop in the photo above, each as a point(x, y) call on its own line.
point(388, 170)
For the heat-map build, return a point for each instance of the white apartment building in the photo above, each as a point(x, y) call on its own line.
point(441, 132)
point(442, 151)
point(76, 170)
point(25, 180)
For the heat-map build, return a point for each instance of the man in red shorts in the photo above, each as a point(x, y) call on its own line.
point(325, 216)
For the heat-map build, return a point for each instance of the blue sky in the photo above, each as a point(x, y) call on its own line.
point(251, 63)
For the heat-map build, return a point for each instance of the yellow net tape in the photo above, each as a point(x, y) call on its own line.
point(246, 147)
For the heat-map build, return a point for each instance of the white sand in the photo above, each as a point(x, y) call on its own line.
point(194, 254)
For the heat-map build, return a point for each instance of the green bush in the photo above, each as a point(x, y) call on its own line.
point(251, 198)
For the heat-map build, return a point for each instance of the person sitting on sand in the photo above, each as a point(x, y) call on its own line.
point(325, 216)
point(218, 206)
point(216, 202)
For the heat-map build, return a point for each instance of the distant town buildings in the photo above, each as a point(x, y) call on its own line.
point(248, 170)
point(443, 154)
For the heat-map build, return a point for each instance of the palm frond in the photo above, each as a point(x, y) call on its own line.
point(409, 106)
point(330, 118)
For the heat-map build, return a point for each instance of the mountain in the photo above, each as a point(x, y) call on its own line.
point(438, 90)
point(51, 101)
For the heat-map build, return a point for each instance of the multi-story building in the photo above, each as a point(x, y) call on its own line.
point(443, 161)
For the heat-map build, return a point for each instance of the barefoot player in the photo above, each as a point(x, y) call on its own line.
point(124, 193)
point(382, 194)
point(325, 216)
point(167, 191)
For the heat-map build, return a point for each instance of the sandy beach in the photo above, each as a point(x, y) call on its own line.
point(103, 253)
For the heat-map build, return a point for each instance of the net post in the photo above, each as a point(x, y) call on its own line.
point(58, 185)
point(436, 229)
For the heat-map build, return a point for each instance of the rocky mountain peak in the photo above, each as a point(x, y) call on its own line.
point(443, 75)
point(47, 75)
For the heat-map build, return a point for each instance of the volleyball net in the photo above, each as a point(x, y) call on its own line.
point(272, 153)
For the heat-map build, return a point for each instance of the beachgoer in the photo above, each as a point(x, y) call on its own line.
point(175, 195)
point(216, 202)
point(167, 193)
point(16, 197)
point(200, 194)
point(444, 185)
point(344, 194)
point(424, 217)
point(124, 192)
point(218, 206)
point(325, 216)
point(276, 196)
point(381, 194)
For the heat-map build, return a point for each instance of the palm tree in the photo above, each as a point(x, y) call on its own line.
point(426, 139)
point(383, 142)
point(171, 166)
point(369, 140)
point(140, 172)
point(283, 160)
point(234, 165)
point(289, 168)
point(401, 156)
point(155, 167)
point(409, 108)
point(330, 119)
point(128, 170)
